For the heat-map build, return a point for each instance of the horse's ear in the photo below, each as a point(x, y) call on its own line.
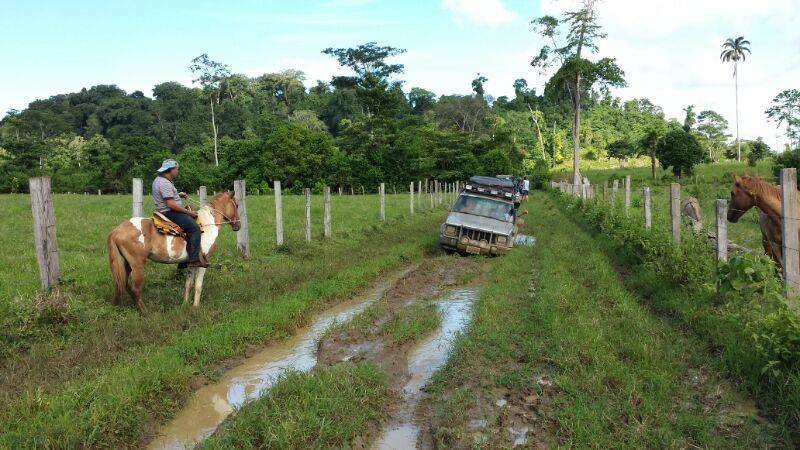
point(230, 194)
point(736, 179)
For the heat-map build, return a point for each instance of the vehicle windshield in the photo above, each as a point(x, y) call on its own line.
point(486, 207)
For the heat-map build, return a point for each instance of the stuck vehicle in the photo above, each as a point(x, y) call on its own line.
point(483, 218)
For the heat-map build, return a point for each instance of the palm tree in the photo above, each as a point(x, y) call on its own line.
point(735, 50)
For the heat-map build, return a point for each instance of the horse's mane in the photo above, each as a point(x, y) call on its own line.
point(760, 187)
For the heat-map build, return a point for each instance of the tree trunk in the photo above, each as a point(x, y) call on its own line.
point(653, 162)
point(576, 126)
point(214, 127)
point(538, 132)
point(736, 83)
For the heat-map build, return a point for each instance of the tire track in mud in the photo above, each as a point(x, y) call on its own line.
point(450, 285)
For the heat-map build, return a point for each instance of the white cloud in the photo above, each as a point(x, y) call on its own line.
point(481, 12)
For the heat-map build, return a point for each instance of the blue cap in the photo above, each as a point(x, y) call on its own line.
point(167, 164)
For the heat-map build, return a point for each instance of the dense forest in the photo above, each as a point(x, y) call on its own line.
point(354, 131)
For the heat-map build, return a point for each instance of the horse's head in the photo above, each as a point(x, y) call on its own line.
point(742, 198)
point(226, 205)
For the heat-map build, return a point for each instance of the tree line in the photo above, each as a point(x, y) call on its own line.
point(365, 128)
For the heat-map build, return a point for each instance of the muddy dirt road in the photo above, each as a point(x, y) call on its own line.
point(404, 324)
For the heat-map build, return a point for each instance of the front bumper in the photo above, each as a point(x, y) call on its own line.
point(470, 246)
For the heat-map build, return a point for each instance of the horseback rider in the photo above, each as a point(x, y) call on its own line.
point(168, 202)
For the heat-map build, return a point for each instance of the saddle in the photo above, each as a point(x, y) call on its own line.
point(166, 226)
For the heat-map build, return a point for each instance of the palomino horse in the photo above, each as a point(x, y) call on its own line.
point(132, 242)
point(747, 192)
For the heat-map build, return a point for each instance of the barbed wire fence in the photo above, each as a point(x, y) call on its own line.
point(788, 245)
point(438, 193)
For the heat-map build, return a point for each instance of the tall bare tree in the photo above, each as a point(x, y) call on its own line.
point(576, 72)
point(735, 50)
point(210, 75)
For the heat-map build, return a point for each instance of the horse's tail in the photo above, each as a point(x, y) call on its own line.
point(119, 275)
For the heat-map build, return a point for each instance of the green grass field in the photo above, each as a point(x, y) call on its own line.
point(581, 361)
point(87, 373)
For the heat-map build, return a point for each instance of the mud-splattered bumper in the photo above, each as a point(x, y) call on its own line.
point(469, 246)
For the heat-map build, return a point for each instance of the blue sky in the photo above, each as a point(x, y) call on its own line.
point(669, 49)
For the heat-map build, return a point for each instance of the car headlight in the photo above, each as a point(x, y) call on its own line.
point(451, 230)
point(502, 240)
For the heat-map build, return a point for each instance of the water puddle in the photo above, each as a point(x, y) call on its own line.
point(423, 361)
point(211, 404)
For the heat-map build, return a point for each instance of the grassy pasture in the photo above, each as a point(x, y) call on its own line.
point(87, 373)
point(582, 361)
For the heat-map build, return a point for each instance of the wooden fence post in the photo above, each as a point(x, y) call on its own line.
point(675, 211)
point(791, 256)
point(278, 213)
point(382, 194)
point(419, 194)
point(307, 191)
point(722, 231)
point(605, 190)
point(242, 236)
point(138, 204)
point(627, 195)
point(411, 198)
point(201, 194)
point(614, 189)
point(648, 221)
point(44, 231)
point(326, 211)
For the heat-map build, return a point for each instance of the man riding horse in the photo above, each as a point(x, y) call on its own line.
point(168, 202)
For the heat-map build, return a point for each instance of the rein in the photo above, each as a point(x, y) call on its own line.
point(208, 205)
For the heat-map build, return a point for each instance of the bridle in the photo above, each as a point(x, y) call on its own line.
point(225, 216)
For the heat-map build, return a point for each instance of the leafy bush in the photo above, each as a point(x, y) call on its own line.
point(789, 158)
point(679, 150)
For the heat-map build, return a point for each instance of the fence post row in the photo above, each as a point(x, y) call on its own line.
point(278, 213)
point(648, 221)
point(722, 231)
point(44, 231)
point(791, 256)
point(675, 211)
point(242, 236)
point(627, 195)
point(138, 204)
point(307, 192)
point(326, 211)
point(382, 193)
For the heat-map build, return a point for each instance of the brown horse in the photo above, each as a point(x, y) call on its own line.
point(135, 241)
point(748, 192)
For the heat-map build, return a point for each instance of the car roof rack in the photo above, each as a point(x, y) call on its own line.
point(493, 186)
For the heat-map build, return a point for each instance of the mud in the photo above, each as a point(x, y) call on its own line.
point(448, 282)
point(423, 361)
point(255, 374)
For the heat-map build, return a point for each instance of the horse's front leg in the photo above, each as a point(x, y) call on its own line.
point(198, 285)
point(190, 274)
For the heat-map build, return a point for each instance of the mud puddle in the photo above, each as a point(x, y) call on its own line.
point(423, 361)
point(211, 404)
